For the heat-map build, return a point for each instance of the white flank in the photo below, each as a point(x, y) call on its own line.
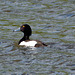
point(29, 43)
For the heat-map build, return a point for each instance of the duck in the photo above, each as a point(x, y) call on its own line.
point(26, 41)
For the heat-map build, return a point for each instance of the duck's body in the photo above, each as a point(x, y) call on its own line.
point(28, 43)
point(26, 29)
point(32, 43)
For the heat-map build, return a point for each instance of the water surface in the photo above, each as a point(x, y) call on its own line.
point(52, 22)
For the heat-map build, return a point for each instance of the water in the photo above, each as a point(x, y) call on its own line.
point(53, 22)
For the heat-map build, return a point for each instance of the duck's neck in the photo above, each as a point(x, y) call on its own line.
point(24, 38)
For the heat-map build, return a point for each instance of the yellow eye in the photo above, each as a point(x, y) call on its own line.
point(23, 26)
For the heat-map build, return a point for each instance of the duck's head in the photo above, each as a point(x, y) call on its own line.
point(26, 29)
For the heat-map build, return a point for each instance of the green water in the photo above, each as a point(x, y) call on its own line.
point(53, 22)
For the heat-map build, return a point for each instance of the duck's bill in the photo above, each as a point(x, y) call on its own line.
point(17, 30)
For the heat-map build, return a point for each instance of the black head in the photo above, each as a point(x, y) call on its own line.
point(26, 29)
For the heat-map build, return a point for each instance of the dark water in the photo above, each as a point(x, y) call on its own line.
point(53, 22)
